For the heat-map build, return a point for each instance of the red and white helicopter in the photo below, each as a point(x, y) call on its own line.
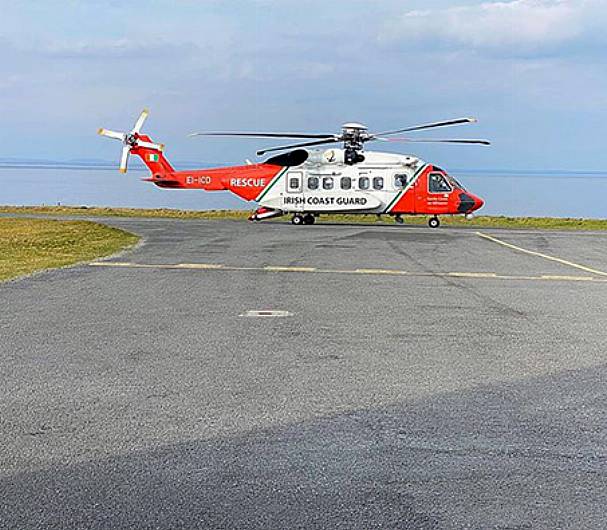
point(307, 183)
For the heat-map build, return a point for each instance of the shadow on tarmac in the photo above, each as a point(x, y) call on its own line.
point(521, 455)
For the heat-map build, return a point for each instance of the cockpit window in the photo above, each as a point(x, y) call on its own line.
point(438, 184)
point(454, 182)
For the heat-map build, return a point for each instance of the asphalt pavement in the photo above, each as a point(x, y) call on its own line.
point(410, 378)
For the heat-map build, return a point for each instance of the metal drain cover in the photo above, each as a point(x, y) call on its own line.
point(266, 313)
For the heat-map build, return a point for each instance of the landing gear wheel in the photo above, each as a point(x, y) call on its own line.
point(399, 220)
point(309, 219)
point(297, 219)
point(433, 222)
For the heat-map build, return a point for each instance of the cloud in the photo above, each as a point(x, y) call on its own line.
point(514, 27)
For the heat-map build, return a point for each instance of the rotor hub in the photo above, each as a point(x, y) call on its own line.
point(130, 139)
point(352, 125)
point(354, 135)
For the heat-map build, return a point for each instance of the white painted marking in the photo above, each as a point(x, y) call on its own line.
point(540, 255)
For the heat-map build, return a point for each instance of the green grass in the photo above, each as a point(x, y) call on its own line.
point(29, 245)
point(94, 211)
point(554, 223)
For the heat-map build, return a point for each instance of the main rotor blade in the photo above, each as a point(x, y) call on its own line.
point(435, 140)
point(139, 123)
point(150, 145)
point(457, 121)
point(124, 158)
point(238, 134)
point(293, 146)
point(111, 134)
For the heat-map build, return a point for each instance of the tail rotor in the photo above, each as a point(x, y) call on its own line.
point(131, 140)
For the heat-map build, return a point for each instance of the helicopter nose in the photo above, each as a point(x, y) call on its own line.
point(469, 202)
point(478, 203)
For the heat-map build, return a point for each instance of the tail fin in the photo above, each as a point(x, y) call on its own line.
point(153, 158)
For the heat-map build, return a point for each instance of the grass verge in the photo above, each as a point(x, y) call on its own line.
point(29, 245)
point(486, 221)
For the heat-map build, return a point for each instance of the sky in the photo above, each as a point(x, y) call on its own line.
point(533, 72)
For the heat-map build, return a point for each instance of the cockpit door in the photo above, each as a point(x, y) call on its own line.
point(437, 193)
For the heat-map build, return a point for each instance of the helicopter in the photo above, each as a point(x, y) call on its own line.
point(306, 183)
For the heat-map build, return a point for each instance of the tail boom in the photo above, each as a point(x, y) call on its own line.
point(247, 182)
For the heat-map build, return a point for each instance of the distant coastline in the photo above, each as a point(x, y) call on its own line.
point(18, 163)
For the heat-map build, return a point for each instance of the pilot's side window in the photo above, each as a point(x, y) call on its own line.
point(378, 183)
point(363, 183)
point(346, 183)
point(327, 183)
point(401, 181)
point(312, 183)
point(438, 184)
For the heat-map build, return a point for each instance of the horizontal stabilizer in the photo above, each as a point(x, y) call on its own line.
point(164, 182)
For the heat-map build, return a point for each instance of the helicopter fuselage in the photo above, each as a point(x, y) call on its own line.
point(316, 182)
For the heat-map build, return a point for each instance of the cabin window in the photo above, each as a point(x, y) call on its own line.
point(312, 183)
point(401, 180)
point(378, 183)
point(438, 184)
point(294, 181)
point(327, 183)
point(346, 183)
point(363, 183)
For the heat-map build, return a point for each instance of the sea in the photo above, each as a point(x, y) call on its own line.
point(551, 193)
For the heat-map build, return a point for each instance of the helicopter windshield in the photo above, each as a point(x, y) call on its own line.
point(454, 183)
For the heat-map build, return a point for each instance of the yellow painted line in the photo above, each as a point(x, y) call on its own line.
point(567, 278)
point(540, 255)
point(335, 271)
point(112, 264)
point(473, 274)
point(157, 265)
point(287, 269)
point(199, 266)
point(387, 272)
point(132, 265)
point(379, 271)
